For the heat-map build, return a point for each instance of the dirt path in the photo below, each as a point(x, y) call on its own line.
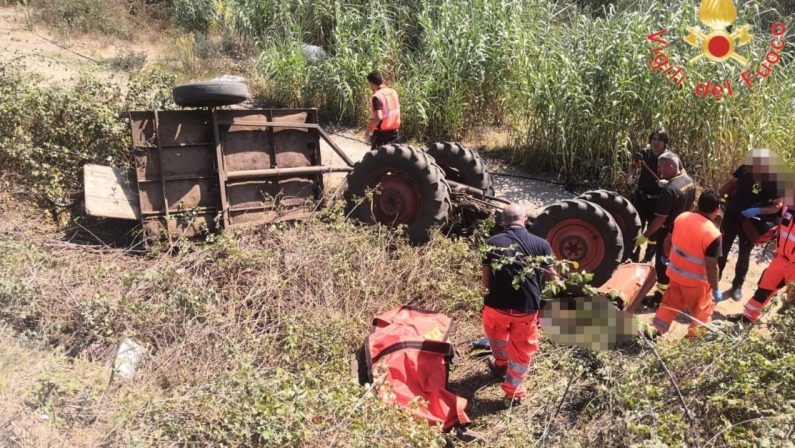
point(52, 58)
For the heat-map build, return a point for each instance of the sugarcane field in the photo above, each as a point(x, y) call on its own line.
point(490, 223)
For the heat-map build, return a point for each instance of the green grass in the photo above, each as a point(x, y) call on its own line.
point(573, 84)
point(569, 79)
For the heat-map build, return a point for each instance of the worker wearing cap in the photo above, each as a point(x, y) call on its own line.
point(644, 198)
point(677, 196)
point(692, 252)
point(780, 272)
point(513, 301)
point(748, 196)
point(383, 126)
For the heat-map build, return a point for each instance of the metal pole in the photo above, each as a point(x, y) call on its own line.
point(282, 172)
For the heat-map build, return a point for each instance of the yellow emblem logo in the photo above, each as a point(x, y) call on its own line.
point(718, 45)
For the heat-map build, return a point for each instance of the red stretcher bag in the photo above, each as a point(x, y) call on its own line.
point(631, 281)
point(759, 231)
point(409, 346)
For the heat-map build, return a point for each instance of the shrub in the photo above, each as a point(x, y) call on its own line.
point(47, 133)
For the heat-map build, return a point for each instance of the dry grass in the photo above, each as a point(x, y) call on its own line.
point(248, 341)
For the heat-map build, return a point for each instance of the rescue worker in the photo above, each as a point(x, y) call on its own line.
point(692, 252)
point(677, 196)
point(510, 315)
point(780, 272)
point(384, 123)
point(644, 197)
point(747, 195)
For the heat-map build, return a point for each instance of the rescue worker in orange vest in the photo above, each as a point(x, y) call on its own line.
point(384, 123)
point(780, 272)
point(510, 314)
point(692, 252)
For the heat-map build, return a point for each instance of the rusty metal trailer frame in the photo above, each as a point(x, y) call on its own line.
point(199, 170)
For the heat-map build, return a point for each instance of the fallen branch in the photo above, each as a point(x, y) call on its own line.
point(673, 382)
point(560, 403)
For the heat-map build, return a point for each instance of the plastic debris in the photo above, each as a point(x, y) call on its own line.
point(127, 359)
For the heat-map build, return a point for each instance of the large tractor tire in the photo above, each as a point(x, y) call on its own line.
point(583, 232)
point(463, 165)
point(408, 188)
point(622, 211)
point(212, 93)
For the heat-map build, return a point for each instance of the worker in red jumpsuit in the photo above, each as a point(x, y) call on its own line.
point(511, 307)
point(780, 272)
point(692, 252)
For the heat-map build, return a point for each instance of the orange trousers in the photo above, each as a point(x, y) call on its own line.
point(696, 301)
point(514, 341)
point(780, 272)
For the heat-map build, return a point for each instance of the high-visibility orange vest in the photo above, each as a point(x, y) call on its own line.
point(390, 109)
point(786, 235)
point(693, 233)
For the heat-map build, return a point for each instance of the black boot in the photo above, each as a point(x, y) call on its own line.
point(738, 318)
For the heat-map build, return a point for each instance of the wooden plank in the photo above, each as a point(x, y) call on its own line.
point(109, 193)
point(221, 168)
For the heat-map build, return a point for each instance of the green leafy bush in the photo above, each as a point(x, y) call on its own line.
point(193, 15)
point(47, 133)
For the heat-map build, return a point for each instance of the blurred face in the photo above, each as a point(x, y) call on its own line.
point(667, 169)
point(767, 166)
point(657, 144)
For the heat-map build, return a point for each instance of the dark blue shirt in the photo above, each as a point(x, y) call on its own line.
point(502, 294)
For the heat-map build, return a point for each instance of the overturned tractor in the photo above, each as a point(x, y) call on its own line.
point(207, 168)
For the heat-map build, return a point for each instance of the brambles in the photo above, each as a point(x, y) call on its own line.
point(47, 133)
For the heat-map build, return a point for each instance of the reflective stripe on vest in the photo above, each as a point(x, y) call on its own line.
point(685, 273)
point(692, 234)
point(687, 256)
point(390, 109)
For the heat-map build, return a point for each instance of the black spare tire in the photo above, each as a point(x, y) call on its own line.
point(408, 188)
point(583, 232)
point(622, 211)
point(210, 93)
point(463, 165)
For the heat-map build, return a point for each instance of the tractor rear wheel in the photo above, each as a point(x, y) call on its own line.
point(622, 211)
point(463, 165)
point(399, 185)
point(583, 232)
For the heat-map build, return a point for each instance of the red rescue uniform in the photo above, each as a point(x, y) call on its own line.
point(694, 235)
point(781, 270)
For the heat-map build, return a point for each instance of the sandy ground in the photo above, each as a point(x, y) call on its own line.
point(53, 58)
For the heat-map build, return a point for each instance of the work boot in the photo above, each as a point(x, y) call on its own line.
point(509, 402)
point(495, 369)
point(654, 301)
point(466, 435)
point(737, 294)
point(738, 318)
